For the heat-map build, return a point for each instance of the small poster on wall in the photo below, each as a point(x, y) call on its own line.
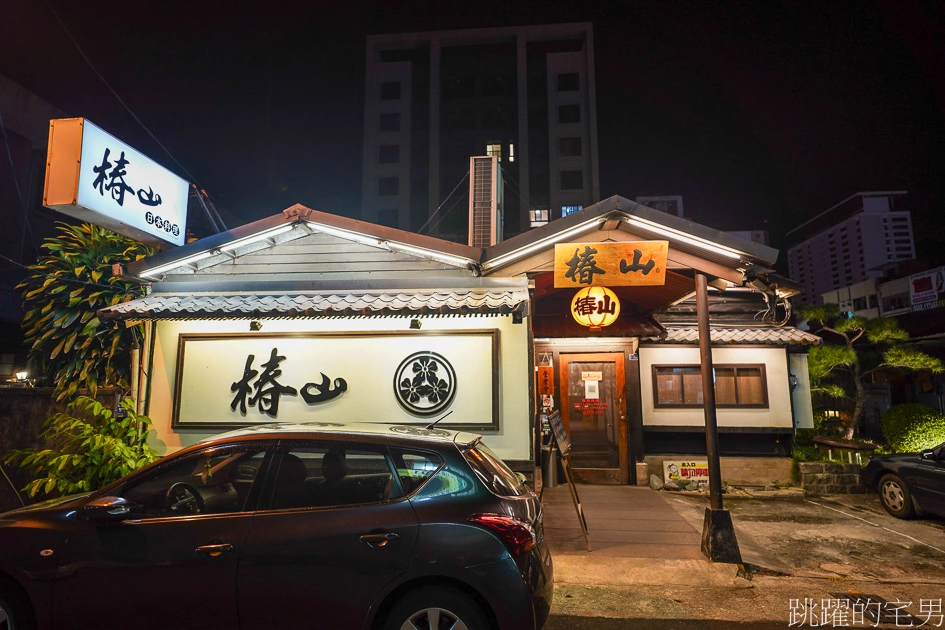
point(685, 472)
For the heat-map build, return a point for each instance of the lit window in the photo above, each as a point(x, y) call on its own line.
point(511, 152)
point(735, 386)
point(538, 217)
point(566, 210)
point(494, 150)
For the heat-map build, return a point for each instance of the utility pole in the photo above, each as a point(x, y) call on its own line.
point(718, 533)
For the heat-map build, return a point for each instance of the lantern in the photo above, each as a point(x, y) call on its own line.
point(595, 307)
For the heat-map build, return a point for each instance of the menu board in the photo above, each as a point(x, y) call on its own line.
point(561, 436)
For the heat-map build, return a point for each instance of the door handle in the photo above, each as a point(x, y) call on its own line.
point(214, 550)
point(378, 540)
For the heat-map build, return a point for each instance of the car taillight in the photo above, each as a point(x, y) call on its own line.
point(517, 534)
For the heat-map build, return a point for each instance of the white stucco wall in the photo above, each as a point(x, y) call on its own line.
point(511, 441)
point(778, 413)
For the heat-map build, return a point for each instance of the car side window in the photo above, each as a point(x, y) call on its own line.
point(215, 481)
point(333, 475)
point(414, 467)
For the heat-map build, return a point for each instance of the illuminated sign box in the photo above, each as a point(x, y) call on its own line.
point(94, 177)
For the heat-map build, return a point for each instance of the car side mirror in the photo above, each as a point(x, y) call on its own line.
point(106, 509)
point(521, 477)
point(927, 454)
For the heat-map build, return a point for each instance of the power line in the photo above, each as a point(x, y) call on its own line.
point(115, 94)
point(446, 214)
point(433, 214)
point(16, 183)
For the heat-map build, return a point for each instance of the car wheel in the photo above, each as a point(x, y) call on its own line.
point(436, 609)
point(15, 613)
point(895, 496)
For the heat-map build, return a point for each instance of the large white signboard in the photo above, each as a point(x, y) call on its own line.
point(231, 380)
point(95, 177)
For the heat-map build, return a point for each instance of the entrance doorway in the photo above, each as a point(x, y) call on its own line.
point(594, 412)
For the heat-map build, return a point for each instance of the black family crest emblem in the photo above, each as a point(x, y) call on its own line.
point(425, 383)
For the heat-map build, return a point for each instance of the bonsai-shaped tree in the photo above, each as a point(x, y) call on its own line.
point(860, 347)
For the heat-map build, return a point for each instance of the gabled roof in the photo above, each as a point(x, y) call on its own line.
point(692, 241)
point(618, 213)
point(295, 223)
point(303, 262)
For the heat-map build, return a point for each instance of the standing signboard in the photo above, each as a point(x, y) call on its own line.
point(563, 445)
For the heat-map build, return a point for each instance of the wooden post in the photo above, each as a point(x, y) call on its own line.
point(718, 533)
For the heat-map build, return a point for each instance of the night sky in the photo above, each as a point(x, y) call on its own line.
point(761, 114)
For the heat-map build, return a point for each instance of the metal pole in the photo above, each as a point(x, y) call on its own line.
point(708, 393)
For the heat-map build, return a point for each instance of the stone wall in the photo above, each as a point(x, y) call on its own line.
point(830, 478)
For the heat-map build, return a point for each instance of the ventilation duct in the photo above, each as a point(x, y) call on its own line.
point(485, 201)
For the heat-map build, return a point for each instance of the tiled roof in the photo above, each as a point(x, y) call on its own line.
point(228, 305)
point(740, 336)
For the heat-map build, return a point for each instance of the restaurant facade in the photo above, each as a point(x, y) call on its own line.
point(307, 316)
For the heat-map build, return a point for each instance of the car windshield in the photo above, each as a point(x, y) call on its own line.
point(493, 472)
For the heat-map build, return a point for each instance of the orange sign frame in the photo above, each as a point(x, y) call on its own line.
point(614, 264)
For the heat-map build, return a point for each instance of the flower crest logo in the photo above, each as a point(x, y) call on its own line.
point(425, 383)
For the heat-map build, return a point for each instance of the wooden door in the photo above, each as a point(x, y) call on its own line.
point(594, 412)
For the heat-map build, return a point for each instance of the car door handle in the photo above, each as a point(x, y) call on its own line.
point(215, 549)
point(378, 540)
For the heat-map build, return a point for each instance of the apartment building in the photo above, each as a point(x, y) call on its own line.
point(434, 99)
point(849, 242)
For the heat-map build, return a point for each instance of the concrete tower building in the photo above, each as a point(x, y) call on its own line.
point(849, 242)
point(435, 99)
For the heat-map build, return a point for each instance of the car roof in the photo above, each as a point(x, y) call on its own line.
point(302, 430)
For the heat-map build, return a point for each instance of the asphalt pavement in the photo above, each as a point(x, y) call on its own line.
point(833, 561)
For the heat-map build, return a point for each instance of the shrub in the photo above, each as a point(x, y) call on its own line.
point(92, 448)
point(911, 428)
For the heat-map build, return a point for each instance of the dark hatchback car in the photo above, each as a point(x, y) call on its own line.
point(329, 526)
point(909, 484)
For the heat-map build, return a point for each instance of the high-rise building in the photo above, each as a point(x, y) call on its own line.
point(435, 99)
point(670, 204)
point(849, 242)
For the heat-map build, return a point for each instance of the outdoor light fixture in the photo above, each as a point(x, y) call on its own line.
point(257, 237)
point(255, 325)
point(347, 235)
point(595, 307)
point(156, 271)
point(685, 238)
point(792, 381)
point(415, 324)
point(551, 240)
point(22, 376)
point(446, 259)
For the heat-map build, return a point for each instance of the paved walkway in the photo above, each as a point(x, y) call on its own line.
point(622, 521)
point(636, 538)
